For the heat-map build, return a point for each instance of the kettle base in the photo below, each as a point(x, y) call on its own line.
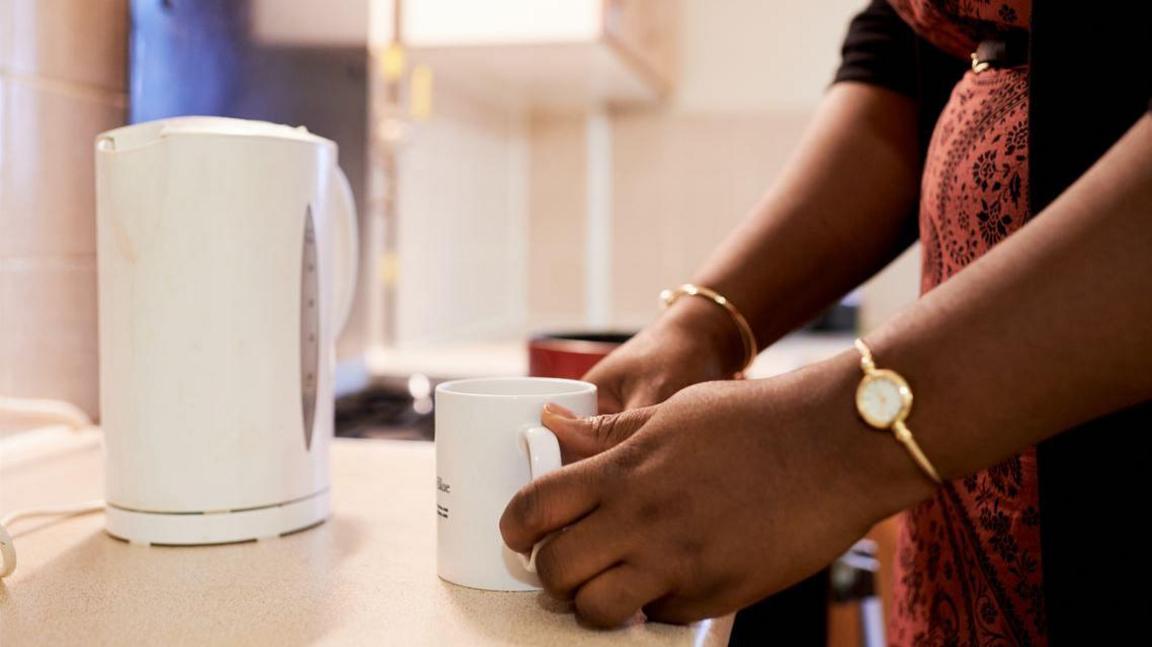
point(199, 528)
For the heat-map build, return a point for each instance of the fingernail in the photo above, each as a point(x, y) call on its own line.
point(558, 410)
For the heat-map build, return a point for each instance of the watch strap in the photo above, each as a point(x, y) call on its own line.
point(904, 436)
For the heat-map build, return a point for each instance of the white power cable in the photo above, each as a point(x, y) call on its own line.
point(36, 412)
point(8, 549)
point(53, 510)
point(46, 413)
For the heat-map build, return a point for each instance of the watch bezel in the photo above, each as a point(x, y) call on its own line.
point(905, 391)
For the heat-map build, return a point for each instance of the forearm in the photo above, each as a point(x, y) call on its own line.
point(1050, 329)
point(835, 216)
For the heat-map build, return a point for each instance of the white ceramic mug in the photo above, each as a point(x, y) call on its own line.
point(489, 444)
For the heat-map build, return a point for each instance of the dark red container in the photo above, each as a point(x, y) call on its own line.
point(570, 355)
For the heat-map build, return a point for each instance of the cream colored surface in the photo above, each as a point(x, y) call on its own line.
point(741, 55)
point(312, 24)
point(560, 76)
point(685, 173)
point(82, 43)
point(366, 576)
point(452, 360)
point(891, 290)
point(462, 221)
point(685, 180)
point(456, 22)
point(62, 81)
point(557, 203)
point(543, 53)
point(48, 329)
point(48, 171)
point(681, 182)
point(647, 34)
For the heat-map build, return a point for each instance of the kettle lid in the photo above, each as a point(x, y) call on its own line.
point(149, 132)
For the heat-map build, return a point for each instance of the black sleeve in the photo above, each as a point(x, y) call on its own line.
point(883, 50)
point(880, 49)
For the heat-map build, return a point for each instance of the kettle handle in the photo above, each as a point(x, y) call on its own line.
point(347, 245)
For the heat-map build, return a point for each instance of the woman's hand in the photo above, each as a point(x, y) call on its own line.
point(695, 341)
point(723, 494)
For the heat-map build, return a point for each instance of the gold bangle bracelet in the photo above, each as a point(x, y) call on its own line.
point(747, 337)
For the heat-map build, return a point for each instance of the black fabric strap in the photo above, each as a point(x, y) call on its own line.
point(1009, 49)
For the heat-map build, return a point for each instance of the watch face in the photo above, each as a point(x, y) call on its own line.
point(883, 398)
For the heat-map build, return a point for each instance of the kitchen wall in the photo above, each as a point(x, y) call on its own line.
point(618, 201)
point(685, 173)
point(462, 194)
point(62, 81)
point(461, 188)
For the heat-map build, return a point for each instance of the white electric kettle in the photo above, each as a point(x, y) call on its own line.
point(227, 264)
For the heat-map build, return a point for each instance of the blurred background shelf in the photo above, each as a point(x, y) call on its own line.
point(556, 54)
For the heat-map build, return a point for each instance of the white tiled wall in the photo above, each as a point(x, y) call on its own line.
point(78, 42)
point(49, 333)
point(685, 181)
point(893, 289)
point(759, 55)
point(494, 205)
point(556, 229)
point(462, 203)
point(62, 81)
point(49, 177)
point(683, 174)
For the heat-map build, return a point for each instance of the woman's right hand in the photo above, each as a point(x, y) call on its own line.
point(694, 341)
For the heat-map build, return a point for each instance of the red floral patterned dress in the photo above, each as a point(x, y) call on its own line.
point(968, 567)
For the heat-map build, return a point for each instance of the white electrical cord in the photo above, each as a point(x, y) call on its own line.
point(41, 413)
point(53, 510)
point(7, 554)
point(8, 550)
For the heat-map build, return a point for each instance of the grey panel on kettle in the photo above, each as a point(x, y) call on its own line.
point(309, 327)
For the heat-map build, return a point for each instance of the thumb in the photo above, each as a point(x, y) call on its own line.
point(583, 437)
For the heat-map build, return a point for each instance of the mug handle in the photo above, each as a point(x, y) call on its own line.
point(543, 457)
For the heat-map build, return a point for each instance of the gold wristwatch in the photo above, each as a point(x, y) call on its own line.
point(884, 401)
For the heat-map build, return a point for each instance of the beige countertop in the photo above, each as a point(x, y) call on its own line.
point(366, 576)
point(511, 358)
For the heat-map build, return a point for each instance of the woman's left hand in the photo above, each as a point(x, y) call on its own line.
point(721, 495)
